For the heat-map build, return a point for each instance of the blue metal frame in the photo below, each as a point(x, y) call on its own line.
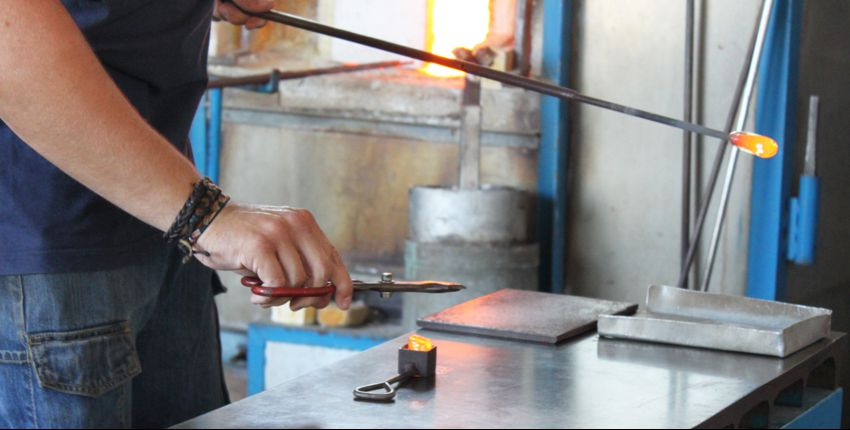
point(198, 136)
point(826, 414)
point(260, 334)
point(776, 116)
point(803, 231)
point(213, 159)
point(552, 157)
point(205, 136)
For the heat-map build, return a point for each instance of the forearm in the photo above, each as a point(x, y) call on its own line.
point(56, 96)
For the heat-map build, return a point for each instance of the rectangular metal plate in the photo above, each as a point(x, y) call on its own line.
point(525, 315)
point(719, 321)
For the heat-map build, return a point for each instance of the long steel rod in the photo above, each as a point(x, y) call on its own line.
point(687, 137)
point(484, 72)
point(809, 159)
point(740, 121)
point(714, 174)
point(298, 74)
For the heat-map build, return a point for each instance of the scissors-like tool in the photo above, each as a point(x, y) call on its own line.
point(386, 286)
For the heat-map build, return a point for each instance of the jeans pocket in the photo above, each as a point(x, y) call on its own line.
point(87, 362)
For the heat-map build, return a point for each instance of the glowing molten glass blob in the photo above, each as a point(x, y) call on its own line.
point(452, 24)
point(756, 144)
point(419, 343)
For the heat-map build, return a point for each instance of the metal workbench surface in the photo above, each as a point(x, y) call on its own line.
point(485, 382)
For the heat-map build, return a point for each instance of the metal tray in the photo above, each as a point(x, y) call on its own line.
point(718, 321)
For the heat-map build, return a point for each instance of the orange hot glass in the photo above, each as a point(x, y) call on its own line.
point(419, 343)
point(756, 144)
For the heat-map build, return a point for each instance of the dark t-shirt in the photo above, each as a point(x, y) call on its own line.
point(155, 50)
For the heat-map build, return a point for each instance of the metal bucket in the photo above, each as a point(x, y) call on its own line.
point(481, 238)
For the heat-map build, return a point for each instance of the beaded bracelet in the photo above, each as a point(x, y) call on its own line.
point(201, 208)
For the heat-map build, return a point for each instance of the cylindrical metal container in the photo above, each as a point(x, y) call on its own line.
point(481, 238)
point(495, 215)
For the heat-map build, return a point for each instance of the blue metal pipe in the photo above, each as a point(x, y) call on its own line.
point(198, 136)
point(552, 156)
point(803, 230)
point(776, 116)
point(213, 161)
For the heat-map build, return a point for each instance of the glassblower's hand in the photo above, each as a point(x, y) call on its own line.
point(282, 246)
point(228, 12)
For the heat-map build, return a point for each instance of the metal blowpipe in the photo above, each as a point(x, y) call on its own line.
point(761, 146)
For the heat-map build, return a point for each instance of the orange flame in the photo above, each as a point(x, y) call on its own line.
point(419, 343)
point(452, 24)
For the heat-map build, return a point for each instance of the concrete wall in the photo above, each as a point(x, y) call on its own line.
point(399, 22)
point(626, 173)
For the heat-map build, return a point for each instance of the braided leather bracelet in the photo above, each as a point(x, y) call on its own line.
point(201, 208)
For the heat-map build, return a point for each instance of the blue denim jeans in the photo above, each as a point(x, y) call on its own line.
point(131, 347)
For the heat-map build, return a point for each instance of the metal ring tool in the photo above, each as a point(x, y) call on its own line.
point(365, 392)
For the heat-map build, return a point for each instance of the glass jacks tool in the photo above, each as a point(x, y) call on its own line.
point(386, 286)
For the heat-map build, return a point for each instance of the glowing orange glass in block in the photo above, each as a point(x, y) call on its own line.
point(419, 343)
point(756, 144)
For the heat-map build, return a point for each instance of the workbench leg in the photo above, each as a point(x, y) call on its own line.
point(256, 360)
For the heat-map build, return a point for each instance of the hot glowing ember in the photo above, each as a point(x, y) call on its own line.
point(452, 24)
point(419, 343)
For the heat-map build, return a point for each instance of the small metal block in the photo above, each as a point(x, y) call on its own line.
point(425, 362)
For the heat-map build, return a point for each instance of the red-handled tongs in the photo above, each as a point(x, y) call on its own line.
point(386, 286)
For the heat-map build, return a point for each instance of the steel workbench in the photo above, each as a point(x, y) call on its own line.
point(583, 382)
